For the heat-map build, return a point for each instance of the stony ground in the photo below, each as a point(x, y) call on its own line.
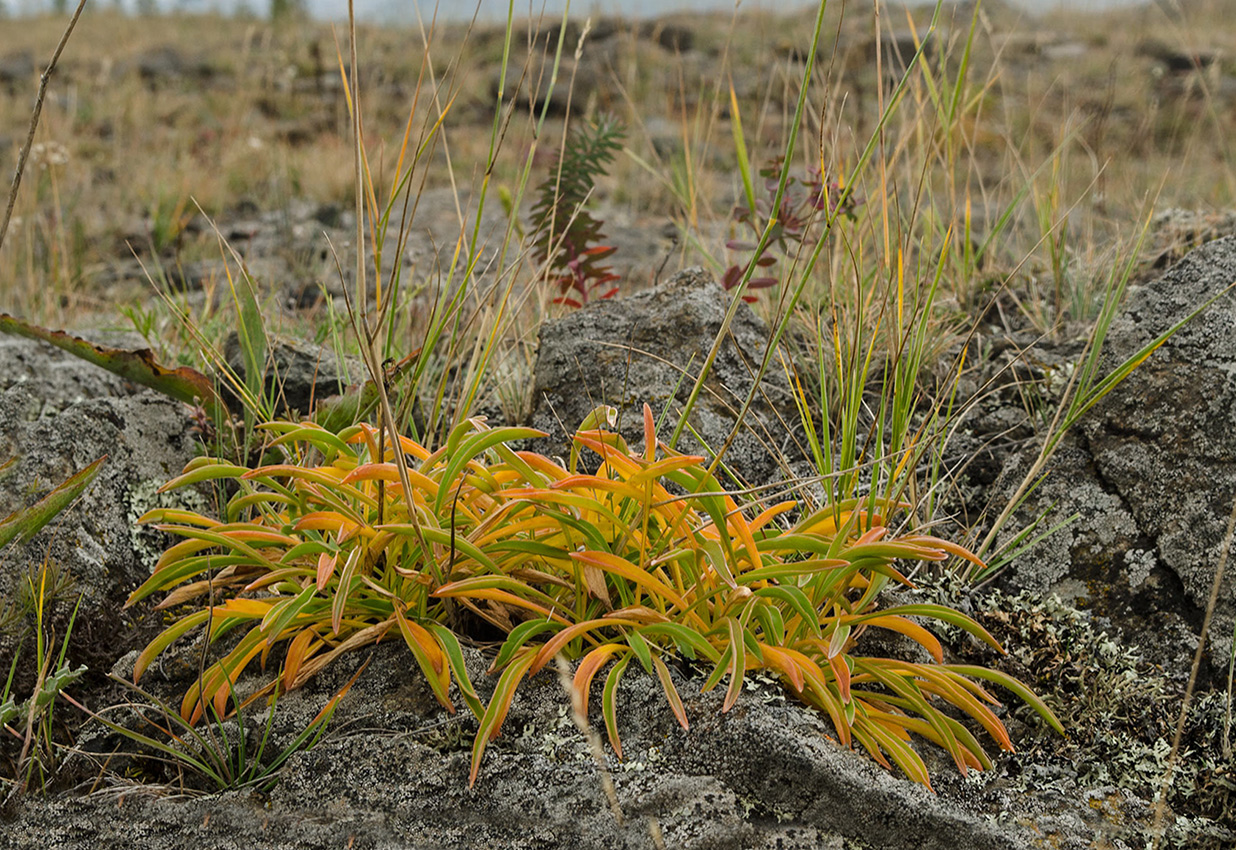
point(246, 119)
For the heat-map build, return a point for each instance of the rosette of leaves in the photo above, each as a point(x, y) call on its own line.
point(645, 560)
point(617, 569)
point(325, 554)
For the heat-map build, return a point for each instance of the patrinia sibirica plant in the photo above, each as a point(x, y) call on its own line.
point(645, 560)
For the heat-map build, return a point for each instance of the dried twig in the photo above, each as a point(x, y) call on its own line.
point(44, 79)
point(1160, 805)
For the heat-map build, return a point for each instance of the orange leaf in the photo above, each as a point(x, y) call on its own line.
point(298, 650)
point(588, 667)
point(555, 644)
point(326, 568)
point(912, 630)
point(671, 693)
point(778, 659)
point(841, 671)
point(650, 435)
point(499, 705)
point(621, 567)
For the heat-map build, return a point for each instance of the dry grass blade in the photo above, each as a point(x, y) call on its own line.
point(1160, 805)
point(44, 80)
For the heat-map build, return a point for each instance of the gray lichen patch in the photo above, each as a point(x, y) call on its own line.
point(146, 541)
point(1121, 713)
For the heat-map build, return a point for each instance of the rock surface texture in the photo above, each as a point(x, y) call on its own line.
point(59, 414)
point(298, 375)
point(1152, 471)
point(395, 774)
point(649, 349)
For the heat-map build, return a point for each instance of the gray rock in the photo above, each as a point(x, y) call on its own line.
point(164, 65)
point(17, 70)
point(298, 374)
point(676, 38)
point(648, 349)
point(1176, 232)
point(1153, 472)
point(1102, 561)
point(54, 377)
point(55, 420)
point(394, 773)
point(1177, 61)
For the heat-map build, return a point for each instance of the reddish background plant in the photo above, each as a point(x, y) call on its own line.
point(804, 199)
point(569, 241)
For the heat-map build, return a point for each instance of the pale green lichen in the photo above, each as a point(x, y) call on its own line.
point(147, 542)
point(1120, 712)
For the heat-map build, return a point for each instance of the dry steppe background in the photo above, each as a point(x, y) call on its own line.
point(1078, 119)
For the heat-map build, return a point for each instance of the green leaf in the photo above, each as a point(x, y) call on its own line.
point(640, 647)
point(325, 441)
point(601, 418)
point(57, 682)
point(337, 413)
point(454, 655)
point(24, 524)
point(738, 662)
point(519, 636)
point(720, 556)
point(183, 384)
point(175, 573)
point(343, 590)
point(740, 149)
point(671, 693)
point(937, 612)
point(902, 753)
point(792, 570)
point(442, 536)
point(165, 639)
point(470, 448)
point(903, 685)
point(282, 613)
point(499, 705)
point(1008, 682)
point(251, 333)
point(689, 642)
point(771, 622)
point(609, 702)
point(205, 472)
point(798, 602)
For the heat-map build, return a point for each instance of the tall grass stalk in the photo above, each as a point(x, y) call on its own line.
point(37, 761)
point(801, 275)
point(35, 114)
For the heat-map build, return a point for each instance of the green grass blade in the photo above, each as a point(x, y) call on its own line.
point(24, 524)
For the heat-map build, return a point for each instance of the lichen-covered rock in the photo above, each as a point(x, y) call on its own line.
point(395, 773)
point(56, 418)
point(1152, 473)
point(648, 348)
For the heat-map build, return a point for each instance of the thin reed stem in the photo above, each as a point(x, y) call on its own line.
point(44, 79)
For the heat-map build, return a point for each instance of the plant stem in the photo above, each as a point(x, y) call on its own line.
point(1160, 804)
point(44, 79)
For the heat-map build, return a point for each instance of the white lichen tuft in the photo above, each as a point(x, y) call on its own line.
point(147, 542)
